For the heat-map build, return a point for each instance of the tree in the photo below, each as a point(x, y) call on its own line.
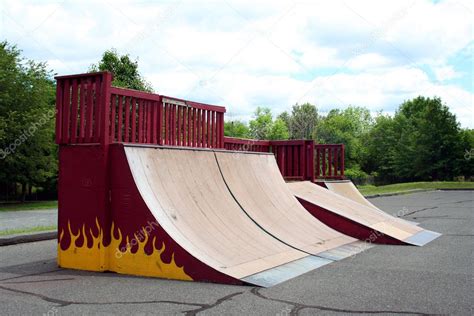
point(303, 121)
point(349, 127)
point(262, 125)
point(124, 70)
point(421, 142)
point(28, 154)
point(430, 141)
point(236, 128)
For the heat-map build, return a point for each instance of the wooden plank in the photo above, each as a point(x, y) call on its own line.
point(90, 110)
point(120, 119)
point(127, 120)
point(134, 120)
point(160, 123)
point(82, 112)
point(113, 104)
point(141, 120)
point(98, 109)
point(74, 111)
point(66, 108)
point(179, 125)
point(199, 128)
point(194, 131)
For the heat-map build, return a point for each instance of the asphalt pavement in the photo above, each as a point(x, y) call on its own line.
point(28, 219)
point(399, 280)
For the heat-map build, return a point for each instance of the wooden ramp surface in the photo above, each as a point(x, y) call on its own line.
point(256, 183)
point(185, 192)
point(364, 214)
point(348, 190)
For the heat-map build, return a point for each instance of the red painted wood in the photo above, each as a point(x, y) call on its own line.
point(199, 127)
point(105, 105)
point(66, 107)
point(74, 111)
point(97, 110)
point(160, 123)
point(113, 104)
point(82, 112)
point(59, 111)
point(120, 120)
point(173, 125)
point(167, 130)
point(127, 120)
point(90, 110)
point(213, 130)
point(347, 226)
point(140, 120)
point(194, 131)
point(133, 138)
point(208, 129)
point(189, 127)
point(178, 119)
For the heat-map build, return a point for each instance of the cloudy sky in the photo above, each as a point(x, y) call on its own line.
point(244, 54)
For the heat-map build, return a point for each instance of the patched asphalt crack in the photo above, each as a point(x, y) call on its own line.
point(62, 303)
point(420, 210)
point(38, 281)
point(209, 306)
point(297, 307)
point(31, 274)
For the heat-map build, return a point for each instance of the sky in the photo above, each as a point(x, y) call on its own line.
point(244, 54)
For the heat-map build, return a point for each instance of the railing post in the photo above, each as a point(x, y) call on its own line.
point(342, 160)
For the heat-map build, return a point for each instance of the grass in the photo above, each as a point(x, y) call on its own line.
point(37, 205)
point(27, 230)
point(407, 187)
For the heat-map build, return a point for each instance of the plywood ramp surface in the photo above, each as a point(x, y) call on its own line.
point(256, 183)
point(359, 213)
point(185, 192)
point(348, 190)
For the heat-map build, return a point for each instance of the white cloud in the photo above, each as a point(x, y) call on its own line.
point(444, 73)
point(244, 54)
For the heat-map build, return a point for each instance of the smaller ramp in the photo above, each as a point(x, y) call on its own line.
point(358, 220)
point(348, 190)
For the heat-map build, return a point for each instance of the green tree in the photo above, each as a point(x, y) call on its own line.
point(262, 125)
point(349, 127)
point(124, 70)
point(430, 144)
point(302, 121)
point(236, 128)
point(28, 154)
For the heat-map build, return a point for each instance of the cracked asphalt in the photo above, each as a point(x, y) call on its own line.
point(407, 280)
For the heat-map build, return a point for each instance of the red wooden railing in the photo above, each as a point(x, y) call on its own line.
point(294, 157)
point(90, 110)
point(240, 144)
point(329, 161)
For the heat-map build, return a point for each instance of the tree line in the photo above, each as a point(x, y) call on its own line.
point(422, 140)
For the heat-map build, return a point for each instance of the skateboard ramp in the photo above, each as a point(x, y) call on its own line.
point(185, 192)
point(348, 190)
point(255, 182)
point(358, 220)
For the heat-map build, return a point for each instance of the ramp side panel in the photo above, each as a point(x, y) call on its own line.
point(257, 184)
point(186, 194)
point(348, 226)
